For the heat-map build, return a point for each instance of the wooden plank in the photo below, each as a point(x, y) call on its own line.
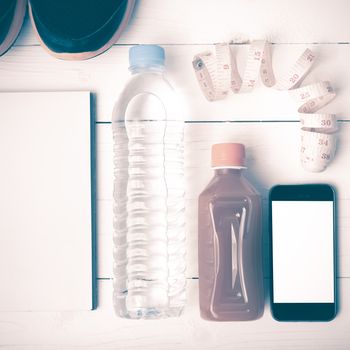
point(272, 150)
point(272, 156)
point(103, 330)
point(198, 22)
point(105, 239)
point(32, 69)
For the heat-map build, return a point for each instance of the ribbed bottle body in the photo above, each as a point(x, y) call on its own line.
point(149, 224)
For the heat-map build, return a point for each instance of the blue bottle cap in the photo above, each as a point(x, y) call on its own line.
point(146, 55)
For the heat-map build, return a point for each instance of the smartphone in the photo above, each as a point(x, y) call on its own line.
point(302, 246)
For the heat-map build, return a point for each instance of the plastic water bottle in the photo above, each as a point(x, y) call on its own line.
point(149, 211)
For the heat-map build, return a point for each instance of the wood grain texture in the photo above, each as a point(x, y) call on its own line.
point(273, 158)
point(185, 28)
point(209, 21)
point(103, 330)
point(32, 69)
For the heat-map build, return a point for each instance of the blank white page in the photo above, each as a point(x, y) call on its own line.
point(45, 202)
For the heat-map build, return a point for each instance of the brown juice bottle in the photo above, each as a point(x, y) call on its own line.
point(230, 241)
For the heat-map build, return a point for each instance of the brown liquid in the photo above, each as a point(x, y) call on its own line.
point(230, 249)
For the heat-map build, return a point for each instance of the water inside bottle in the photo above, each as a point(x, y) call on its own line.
point(149, 216)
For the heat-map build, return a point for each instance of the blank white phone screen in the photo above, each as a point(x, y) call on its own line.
point(302, 238)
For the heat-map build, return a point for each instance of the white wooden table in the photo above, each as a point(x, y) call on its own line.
point(267, 125)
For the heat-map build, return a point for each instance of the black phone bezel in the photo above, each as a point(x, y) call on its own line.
point(303, 311)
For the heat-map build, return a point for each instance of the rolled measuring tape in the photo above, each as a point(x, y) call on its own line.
point(217, 74)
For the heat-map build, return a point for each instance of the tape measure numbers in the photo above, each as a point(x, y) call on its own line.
point(217, 74)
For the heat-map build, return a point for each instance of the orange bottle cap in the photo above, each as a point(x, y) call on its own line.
point(228, 155)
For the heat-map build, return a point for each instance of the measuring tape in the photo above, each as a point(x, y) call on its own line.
point(217, 74)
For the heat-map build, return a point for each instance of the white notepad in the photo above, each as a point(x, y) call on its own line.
point(46, 215)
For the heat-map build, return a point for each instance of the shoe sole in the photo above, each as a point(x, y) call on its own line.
point(15, 26)
point(79, 56)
